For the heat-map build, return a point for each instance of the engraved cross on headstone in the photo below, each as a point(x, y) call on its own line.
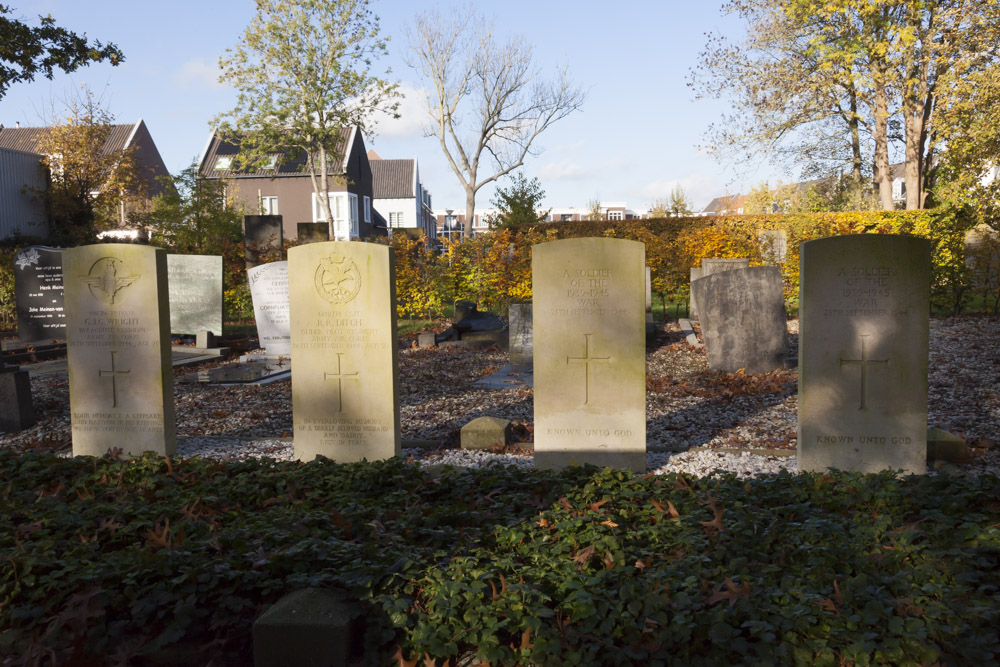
point(113, 374)
point(340, 376)
point(587, 360)
point(864, 362)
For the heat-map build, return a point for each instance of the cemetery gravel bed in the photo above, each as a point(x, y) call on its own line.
point(690, 410)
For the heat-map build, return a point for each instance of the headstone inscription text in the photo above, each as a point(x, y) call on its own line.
point(118, 351)
point(589, 353)
point(195, 289)
point(863, 345)
point(38, 294)
point(345, 383)
point(269, 292)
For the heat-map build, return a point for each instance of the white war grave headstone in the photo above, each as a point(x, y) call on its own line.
point(589, 353)
point(269, 291)
point(863, 342)
point(195, 290)
point(118, 349)
point(345, 380)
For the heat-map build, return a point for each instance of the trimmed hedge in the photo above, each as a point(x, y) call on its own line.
point(159, 562)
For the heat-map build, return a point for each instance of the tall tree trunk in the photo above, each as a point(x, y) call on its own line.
point(883, 179)
point(470, 210)
point(853, 124)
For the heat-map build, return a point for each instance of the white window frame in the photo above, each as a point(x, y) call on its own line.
point(616, 215)
point(223, 163)
point(344, 206)
point(368, 209)
point(268, 205)
point(396, 219)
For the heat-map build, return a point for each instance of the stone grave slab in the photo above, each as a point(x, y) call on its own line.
point(743, 321)
point(589, 353)
point(118, 349)
point(269, 291)
point(863, 344)
point(486, 433)
point(38, 294)
point(195, 290)
point(345, 378)
point(520, 336)
point(312, 232)
point(263, 239)
point(709, 266)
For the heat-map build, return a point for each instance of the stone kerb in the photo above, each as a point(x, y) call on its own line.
point(863, 345)
point(743, 321)
point(589, 353)
point(345, 382)
point(118, 349)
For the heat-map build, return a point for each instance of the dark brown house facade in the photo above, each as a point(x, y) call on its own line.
point(285, 189)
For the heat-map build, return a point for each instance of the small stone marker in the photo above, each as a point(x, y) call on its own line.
point(773, 245)
point(263, 239)
point(427, 340)
point(312, 627)
point(709, 266)
point(863, 342)
point(118, 349)
point(195, 289)
point(38, 294)
point(520, 343)
point(743, 319)
point(345, 381)
point(589, 353)
point(313, 232)
point(16, 409)
point(486, 433)
point(945, 446)
point(269, 291)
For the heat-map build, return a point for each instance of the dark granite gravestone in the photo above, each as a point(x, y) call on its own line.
point(743, 319)
point(38, 292)
point(263, 237)
point(16, 410)
point(312, 232)
point(194, 285)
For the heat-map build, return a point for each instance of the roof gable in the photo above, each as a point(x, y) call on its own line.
point(209, 167)
point(393, 179)
point(29, 139)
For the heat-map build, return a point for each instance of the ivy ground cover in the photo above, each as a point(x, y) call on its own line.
point(169, 562)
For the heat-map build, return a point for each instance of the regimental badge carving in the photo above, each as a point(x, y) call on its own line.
point(338, 280)
point(106, 279)
point(27, 258)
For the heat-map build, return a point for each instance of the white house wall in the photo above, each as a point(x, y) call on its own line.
point(20, 211)
point(408, 207)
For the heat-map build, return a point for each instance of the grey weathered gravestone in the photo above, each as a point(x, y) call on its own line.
point(38, 294)
point(709, 266)
point(269, 291)
point(345, 379)
point(743, 319)
point(16, 409)
point(589, 353)
point(486, 433)
point(312, 627)
point(773, 245)
point(427, 340)
point(313, 232)
point(263, 238)
point(863, 337)
point(195, 292)
point(649, 290)
point(520, 341)
point(118, 349)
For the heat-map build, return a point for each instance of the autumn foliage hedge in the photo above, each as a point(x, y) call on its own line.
point(495, 269)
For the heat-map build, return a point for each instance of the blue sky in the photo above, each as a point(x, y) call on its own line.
point(635, 139)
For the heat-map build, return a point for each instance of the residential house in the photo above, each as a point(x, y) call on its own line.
point(22, 146)
point(21, 211)
point(399, 196)
point(725, 205)
point(450, 222)
point(283, 187)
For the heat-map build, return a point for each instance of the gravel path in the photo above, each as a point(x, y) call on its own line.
point(691, 411)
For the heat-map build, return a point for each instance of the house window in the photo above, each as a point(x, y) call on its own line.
point(615, 215)
point(223, 163)
point(899, 189)
point(368, 208)
point(396, 219)
point(344, 207)
point(269, 206)
point(272, 162)
point(566, 217)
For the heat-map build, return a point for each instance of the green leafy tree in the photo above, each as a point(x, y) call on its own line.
point(519, 205)
point(303, 73)
point(488, 102)
point(29, 50)
point(195, 216)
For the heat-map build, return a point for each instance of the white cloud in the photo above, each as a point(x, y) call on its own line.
point(196, 74)
point(413, 119)
point(564, 170)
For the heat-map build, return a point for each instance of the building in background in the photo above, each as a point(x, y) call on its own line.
point(21, 210)
point(399, 196)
